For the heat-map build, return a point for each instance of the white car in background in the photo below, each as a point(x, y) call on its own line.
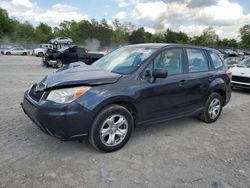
point(241, 74)
point(42, 49)
point(61, 40)
point(16, 51)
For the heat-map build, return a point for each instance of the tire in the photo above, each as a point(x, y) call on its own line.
point(24, 53)
point(111, 140)
point(59, 63)
point(40, 54)
point(55, 43)
point(8, 53)
point(68, 42)
point(213, 108)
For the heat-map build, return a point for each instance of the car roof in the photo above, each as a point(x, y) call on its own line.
point(163, 45)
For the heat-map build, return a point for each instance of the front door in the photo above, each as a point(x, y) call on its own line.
point(166, 97)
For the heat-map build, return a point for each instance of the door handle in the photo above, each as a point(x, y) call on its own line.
point(182, 82)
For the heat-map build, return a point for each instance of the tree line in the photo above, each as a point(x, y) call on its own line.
point(114, 34)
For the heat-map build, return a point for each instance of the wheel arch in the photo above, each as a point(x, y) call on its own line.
point(125, 102)
point(222, 93)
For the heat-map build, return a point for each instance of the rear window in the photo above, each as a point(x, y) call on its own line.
point(197, 61)
point(216, 60)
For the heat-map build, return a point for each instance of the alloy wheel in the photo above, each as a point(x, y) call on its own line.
point(214, 108)
point(114, 130)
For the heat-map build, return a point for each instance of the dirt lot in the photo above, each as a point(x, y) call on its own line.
point(180, 153)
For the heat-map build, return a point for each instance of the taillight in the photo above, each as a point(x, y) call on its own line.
point(229, 74)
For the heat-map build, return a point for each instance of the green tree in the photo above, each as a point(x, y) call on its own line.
point(245, 36)
point(120, 34)
point(43, 32)
point(137, 36)
point(208, 38)
point(182, 37)
point(159, 37)
point(6, 24)
point(25, 32)
point(170, 36)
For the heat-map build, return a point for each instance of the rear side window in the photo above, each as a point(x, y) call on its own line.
point(197, 61)
point(217, 62)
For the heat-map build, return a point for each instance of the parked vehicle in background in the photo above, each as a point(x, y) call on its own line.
point(4, 47)
point(41, 50)
point(241, 74)
point(66, 55)
point(16, 51)
point(61, 40)
point(232, 61)
point(131, 86)
point(246, 52)
point(223, 54)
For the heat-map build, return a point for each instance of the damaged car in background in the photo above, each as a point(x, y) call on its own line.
point(66, 55)
point(134, 85)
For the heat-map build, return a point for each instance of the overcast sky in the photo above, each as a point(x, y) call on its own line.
point(190, 16)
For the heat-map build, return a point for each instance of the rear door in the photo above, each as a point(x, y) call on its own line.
point(199, 77)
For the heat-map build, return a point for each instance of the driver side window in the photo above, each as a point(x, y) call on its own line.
point(170, 60)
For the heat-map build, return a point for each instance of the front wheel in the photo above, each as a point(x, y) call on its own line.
point(212, 109)
point(111, 128)
point(40, 54)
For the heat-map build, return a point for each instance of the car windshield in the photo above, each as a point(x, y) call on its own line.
point(124, 60)
point(245, 63)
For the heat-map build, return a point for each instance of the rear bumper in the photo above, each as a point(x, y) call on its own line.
point(64, 121)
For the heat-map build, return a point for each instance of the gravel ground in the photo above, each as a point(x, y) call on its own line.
point(180, 153)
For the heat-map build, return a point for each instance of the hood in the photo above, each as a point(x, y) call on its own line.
point(79, 75)
point(240, 71)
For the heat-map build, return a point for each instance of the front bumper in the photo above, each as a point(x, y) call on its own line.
point(240, 85)
point(64, 121)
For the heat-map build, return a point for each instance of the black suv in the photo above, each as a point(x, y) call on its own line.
point(134, 85)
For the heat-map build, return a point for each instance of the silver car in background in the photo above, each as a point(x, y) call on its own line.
point(61, 40)
point(16, 51)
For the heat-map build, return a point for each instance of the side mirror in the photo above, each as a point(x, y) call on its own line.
point(159, 73)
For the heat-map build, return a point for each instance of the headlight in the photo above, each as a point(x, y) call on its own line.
point(66, 95)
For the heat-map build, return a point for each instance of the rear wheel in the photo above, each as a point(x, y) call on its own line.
point(24, 53)
point(8, 53)
point(212, 109)
point(111, 129)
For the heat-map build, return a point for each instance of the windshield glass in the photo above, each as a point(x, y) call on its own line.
point(245, 63)
point(124, 60)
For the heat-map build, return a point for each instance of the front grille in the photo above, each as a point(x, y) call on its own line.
point(35, 95)
point(241, 79)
